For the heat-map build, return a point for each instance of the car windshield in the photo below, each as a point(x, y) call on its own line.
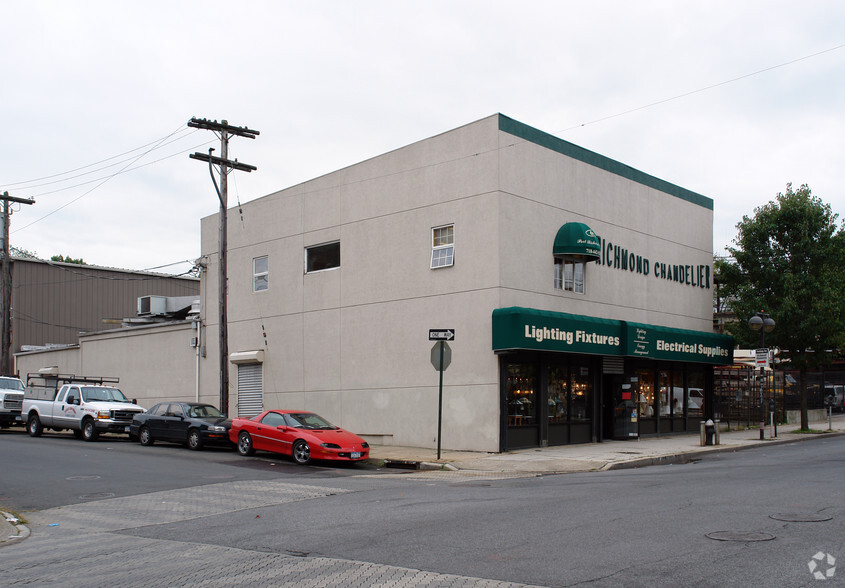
point(308, 420)
point(9, 384)
point(203, 412)
point(93, 393)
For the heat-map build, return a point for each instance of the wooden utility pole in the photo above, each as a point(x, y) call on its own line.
point(224, 131)
point(6, 368)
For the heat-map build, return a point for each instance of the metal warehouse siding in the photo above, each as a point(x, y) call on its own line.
point(54, 302)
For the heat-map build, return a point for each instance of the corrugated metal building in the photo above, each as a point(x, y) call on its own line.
point(53, 302)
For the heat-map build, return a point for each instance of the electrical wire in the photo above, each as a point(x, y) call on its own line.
point(156, 142)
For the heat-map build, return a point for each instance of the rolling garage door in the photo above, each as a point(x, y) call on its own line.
point(250, 390)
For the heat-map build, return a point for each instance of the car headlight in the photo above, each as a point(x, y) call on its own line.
point(216, 429)
point(365, 445)
point(103, 414)
point(330, 445)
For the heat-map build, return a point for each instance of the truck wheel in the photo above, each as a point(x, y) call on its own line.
point(33, 426)
point(77, 433)
point(89, 431)
point(194, 440)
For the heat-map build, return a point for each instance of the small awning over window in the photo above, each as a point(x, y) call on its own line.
point(577, 241)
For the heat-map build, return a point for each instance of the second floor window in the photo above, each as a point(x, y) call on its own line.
point(569, 275)
point(260, 274)
point(322, 257)
point(442, 246)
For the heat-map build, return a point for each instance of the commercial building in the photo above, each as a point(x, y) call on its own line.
point(579, 290)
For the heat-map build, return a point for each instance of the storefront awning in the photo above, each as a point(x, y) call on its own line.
point(578, 241)
point(519, 328)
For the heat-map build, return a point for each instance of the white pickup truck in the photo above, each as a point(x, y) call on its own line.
point(87, 406)
point(11, 399)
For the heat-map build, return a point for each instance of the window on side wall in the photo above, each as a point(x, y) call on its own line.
point(442, 246)
point(260, 274)
point(569, 275)
point(322, 257)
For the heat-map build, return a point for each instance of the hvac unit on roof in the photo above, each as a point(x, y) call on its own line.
point(152, 305)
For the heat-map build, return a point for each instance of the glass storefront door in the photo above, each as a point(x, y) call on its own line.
point(620, 408)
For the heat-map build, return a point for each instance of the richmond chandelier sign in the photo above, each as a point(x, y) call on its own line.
point(616, 257)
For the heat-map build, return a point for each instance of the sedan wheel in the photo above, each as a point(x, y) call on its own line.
point(245, 444)
point(194, 441)
point(301, 452)
point(145, 437)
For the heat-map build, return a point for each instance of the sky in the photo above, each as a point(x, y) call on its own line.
point(730, 99)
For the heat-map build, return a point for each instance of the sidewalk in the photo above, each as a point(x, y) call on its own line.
point(608, 455)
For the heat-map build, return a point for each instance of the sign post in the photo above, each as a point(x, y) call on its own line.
point(441, 357)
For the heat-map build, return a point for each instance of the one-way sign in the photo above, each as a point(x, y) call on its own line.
point(441, 334)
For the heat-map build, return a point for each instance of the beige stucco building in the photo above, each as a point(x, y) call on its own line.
point(335, 283)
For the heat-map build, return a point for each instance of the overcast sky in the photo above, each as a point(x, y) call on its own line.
point(95, 98)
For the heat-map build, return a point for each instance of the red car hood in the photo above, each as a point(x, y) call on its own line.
point(338, 436)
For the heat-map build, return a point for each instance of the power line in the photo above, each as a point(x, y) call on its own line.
point(704, 89)
point(180, 129)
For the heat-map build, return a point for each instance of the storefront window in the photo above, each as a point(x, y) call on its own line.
point(522, 408)
point(582, 391)
point(664, 383)
point(695, 392)
point(558, 392)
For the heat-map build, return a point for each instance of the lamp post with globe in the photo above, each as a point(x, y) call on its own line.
point(762, 322)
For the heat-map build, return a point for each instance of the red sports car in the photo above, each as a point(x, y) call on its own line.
point(302, 435)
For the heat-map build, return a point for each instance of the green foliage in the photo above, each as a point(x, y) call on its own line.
point(68, 259)
point(19, 252)
point(789, 261)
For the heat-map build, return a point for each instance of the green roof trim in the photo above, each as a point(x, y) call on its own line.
point(538, 137)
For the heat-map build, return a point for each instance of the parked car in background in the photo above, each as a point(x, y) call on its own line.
point(194, 424)
point(837, 395)
point(302, 435)
point(11, 400)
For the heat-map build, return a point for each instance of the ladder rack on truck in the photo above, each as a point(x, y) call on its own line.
point(40, 386)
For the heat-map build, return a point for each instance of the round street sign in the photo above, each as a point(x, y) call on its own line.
point(435, 355)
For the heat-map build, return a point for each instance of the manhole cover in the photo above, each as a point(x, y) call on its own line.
point(792, 517)
point(97, 496)
point(91, 477)
point(741, 536)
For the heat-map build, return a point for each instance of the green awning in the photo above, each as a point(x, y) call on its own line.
point(577, 240)
point(518, 328)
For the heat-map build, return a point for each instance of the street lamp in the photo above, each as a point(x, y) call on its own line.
point(762, 322)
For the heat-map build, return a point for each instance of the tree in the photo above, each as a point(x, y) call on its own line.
point(789, 261)
point(68, 259)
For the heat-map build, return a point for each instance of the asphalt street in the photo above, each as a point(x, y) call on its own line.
point(206, 521)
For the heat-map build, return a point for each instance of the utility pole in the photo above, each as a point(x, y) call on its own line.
point(6, 288)
point(224, 131)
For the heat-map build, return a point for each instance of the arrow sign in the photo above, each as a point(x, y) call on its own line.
point(441, 334)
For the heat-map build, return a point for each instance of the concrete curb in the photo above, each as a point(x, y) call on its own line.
point(11, 524)
point(686, 457)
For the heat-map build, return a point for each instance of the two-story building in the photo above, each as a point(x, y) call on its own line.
point(579, 291)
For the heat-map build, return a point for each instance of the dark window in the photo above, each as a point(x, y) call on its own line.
point(322, 257)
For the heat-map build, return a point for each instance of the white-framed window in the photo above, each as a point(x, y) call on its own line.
point(442, 246)
point(260, 273)
point(569, 275)
point(322, 257)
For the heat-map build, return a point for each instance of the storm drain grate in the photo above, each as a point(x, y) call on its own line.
point(741, 536)
point(792, 517)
